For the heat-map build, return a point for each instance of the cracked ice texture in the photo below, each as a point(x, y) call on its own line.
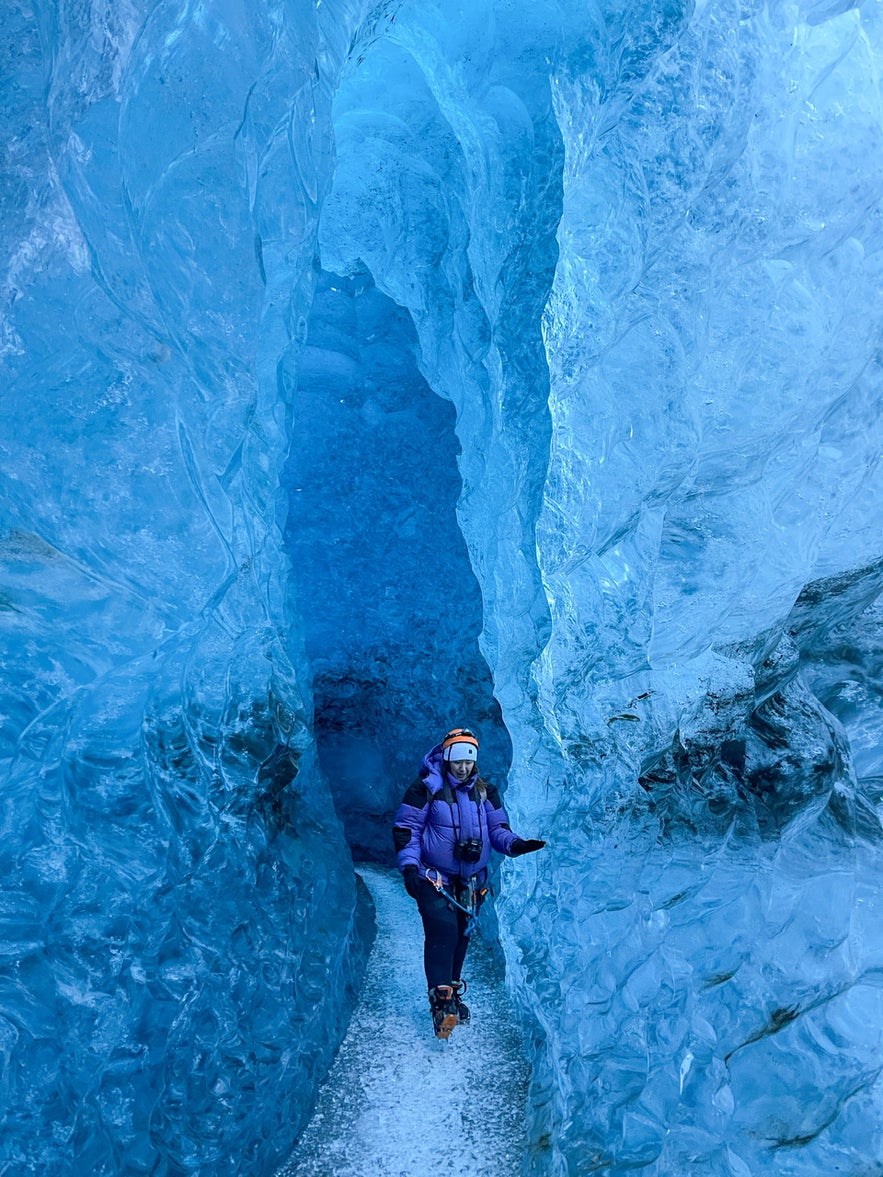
point(713, 341)
point(161, 1009)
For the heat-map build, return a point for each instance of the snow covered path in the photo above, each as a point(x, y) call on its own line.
point(397, 1102)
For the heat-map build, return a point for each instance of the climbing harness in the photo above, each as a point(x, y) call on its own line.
point(476, 894)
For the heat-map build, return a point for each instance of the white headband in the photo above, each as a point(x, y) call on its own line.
point(461, 752)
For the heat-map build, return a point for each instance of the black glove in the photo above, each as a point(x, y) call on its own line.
point(412, 881)
point(525, 846)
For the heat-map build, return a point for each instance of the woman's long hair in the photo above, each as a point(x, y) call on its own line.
point(480, 788)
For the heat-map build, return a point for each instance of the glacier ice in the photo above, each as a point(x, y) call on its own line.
point(358, 355)
point(167, 835)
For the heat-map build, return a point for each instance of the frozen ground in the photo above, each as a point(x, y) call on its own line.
point(399, 1103)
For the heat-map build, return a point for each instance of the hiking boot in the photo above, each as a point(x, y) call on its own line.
point(443, 1005)
point(459, 988)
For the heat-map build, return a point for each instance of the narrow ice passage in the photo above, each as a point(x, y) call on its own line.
point(399, 1103)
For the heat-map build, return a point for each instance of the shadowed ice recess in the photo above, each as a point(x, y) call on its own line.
point(371, 367)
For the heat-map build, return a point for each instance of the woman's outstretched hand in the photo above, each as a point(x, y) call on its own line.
point(525, 846)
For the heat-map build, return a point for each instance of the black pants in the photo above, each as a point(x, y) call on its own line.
point(445, 936)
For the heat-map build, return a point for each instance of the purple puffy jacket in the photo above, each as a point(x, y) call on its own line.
point(427, 827)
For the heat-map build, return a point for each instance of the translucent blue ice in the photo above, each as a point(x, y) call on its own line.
point(167, 836)
point(623, 422)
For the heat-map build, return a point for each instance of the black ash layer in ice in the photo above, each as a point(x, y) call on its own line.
point(397, 1101)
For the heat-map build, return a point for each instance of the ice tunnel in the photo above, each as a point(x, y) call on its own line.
point(371, 526)
point(370, 365)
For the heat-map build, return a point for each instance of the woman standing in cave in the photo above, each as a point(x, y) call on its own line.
point(448, 823)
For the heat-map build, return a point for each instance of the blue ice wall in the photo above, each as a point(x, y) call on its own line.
point(702, 543)
point(167, 835)
point(639, 247)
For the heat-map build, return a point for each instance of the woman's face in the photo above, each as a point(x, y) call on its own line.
point(461, 768)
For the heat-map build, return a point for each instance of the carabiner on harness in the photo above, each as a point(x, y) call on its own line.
point(434, 876)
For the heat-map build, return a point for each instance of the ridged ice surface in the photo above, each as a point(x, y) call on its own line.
point(166, 835)
point(637, 248)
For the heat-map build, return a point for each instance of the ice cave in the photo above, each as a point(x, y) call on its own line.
point(372, 366)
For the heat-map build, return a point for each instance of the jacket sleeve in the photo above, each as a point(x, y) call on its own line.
point(410, 821)
point(501, 837)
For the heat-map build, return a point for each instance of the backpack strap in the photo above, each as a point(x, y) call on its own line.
point(445, 793)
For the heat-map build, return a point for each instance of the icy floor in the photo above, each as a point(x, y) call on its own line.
point(398, 1102)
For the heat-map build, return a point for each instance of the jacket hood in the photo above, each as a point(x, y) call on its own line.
point(432, 771)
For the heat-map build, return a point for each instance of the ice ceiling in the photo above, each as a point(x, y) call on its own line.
point(369, 367)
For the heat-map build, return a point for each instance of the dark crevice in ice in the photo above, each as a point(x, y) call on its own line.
point(391, 608)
